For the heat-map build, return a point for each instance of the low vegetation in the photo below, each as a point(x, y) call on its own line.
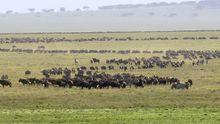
point(151, 104)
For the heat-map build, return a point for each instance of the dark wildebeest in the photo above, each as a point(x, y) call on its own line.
point(181, 85)
point(24, 81)
point(94, 60)
point(5, 83)
point(103, 67)
point(89, 73)
point(190, 82)
point(27, 72)
point(92, 68)
point(111, 67)
point(34, 81)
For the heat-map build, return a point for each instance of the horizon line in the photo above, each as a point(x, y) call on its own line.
point(7, 33)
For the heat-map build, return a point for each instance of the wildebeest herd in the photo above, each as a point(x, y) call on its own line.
point(64, 39)
point(96, 80)
point(95, 76)
point(105, 81)
point(174, 59)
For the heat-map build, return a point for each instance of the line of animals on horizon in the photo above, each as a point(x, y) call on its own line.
point(167, 54)
point(50, 40)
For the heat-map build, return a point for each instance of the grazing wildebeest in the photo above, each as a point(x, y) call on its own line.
point(180, 85)
point(103, 67)
point(24, 81)
point(35, 81)
point(94, 60)
point(80, 72)
point(92, 68)
point(111, 67)
point(5, 83)
point(88, 72)
point(102, 80)
point(132, 68)
point(82, 68)
point(57, 82)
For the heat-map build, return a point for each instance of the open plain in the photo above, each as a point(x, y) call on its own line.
point(151, 104)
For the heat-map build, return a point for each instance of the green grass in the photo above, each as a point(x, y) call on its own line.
point(153, 104)
point(131, 116)
point(153, 97)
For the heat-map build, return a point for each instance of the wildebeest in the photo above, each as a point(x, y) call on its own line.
point(28, 72)
point(90, 79)
point(5, 83)
point(178, 85)
point(103, 67)
point(76, 61)
point(94, 60)
point(4, 77)
point(35, 81)
point(24, 81)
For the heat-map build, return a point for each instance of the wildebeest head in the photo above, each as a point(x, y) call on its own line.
point(190, 82)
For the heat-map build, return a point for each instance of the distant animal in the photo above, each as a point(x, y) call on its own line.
point(180, 85)
point(94, 60)
point(24, 81)
point(89, 73)
point(103, 67)
point(34, 81)
point(4, 77)
point(27, 72)
point(5, 83)
point(76, 61)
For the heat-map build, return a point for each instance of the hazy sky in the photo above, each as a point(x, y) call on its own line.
point(23, 5)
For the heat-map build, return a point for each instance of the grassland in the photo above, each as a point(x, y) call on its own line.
point(153, 104)
point(140, 116)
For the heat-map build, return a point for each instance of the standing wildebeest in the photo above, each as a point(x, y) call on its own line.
point(103, 67)
point(5, 83)
point(190, 82)
point(92, 68)
point(111, 67)
point(24, 81)
point(76, 61)
point(35, 81)
point(94, 60)
point(88, 72)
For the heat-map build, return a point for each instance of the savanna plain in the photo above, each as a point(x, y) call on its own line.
point(151, 104)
